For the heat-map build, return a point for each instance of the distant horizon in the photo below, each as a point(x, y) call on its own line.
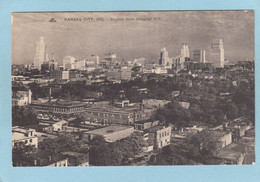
point(132, 35)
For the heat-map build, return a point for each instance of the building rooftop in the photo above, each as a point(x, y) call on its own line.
point(109, 109)
point(216, 134)
point(232, 151)
point(109, 130)
point(21, 133)
point(61, 103)
point(155, 128)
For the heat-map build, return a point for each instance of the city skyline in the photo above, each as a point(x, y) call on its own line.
point(130, 40)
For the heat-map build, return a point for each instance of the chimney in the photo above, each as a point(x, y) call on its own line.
point(50, 95)
point(49, 158)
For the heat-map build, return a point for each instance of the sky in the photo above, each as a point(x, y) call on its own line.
point(133, 34)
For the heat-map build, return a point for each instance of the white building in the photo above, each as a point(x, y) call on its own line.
point(68, 62)
point(40, 54)
point(22, 98)
point(185, 51)
point(26, 136)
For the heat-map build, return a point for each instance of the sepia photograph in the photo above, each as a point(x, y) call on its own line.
point(133, 88)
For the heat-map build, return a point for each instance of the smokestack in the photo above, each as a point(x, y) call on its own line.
point(50, 95)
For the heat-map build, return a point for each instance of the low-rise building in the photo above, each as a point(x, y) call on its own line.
point(161, 135)
point(22, 98)
point(60, 108)
point(232, 154)
point(24, 135)
point(143, 125)
point(114, 115)
point(222, 138)
point(77, 159)
point(111, 133)
point(56, 127)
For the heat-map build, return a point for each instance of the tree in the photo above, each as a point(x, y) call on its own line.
point(23, 116)
point(174, 113)
point(23, 153)
point(195, 149)
point(114, 154)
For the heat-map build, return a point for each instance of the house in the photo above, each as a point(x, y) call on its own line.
point(185, 105)
point(57, 126)
point(222, 138)
point(43, 160)
point(161, 135)
point(24, 135)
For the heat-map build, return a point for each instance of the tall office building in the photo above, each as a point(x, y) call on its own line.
point(199, 55)
point(204, 56)
point(185, 53)
point(110, 58)
point(164, 58)
point(40, 54)
point(68, 62)
point(217, 53)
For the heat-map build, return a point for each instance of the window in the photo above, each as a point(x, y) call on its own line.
point(30, 140)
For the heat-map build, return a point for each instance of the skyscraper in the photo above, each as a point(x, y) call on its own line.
point(40, 54)
point(217, 53)
point(185, 51)
point(199, 55)
point(164, 58)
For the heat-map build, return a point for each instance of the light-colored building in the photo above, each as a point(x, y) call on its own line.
point(162, 135)
point(23, 135)
point(22, 98)
point(217, 53)
point(68, 62)
point(60, 163)
point(185, 105)
point(160, 70)
point(93, 60)
point(222, 138)
point(164, 58)
point(63, 75)
point(61, 108)
point(80, 64)
point(111, 133)
point(57, 127)
point(185, 53)
point(143, 125)
point(110, 58)
point(40, 54)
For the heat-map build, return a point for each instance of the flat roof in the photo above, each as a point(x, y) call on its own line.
point(218, 133)
point(61, 104)
point(232, 151)
point(109, 130)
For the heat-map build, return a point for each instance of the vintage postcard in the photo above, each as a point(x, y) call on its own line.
point(133, 88)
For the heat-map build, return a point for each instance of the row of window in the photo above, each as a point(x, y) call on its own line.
point(164, 134)
point(57, 109)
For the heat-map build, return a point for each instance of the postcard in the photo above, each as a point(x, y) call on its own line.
point(133, 88)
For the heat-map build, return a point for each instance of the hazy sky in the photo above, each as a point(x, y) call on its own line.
point(131, 39)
